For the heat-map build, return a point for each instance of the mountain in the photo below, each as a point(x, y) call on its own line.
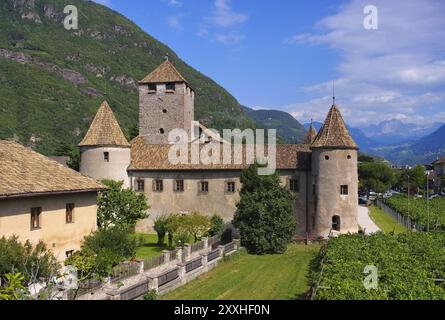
point(53, 80)
point(359, 137)
point(287, 126)
point(394, 131)
point(424, 150)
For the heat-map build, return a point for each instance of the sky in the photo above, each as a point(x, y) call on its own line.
point(286, 54)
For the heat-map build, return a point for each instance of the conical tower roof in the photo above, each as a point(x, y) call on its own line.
point(334, 133)
point(166, 72)
point(104, 130)
point(310, 136)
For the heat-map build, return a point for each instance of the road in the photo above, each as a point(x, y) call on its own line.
point(365, 221)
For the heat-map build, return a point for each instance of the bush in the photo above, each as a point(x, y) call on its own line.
point(33, 262)
point(264, 214)
point(217, 225)
point(102, 250)
point(151, 295)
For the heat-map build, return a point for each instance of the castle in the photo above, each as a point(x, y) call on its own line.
point(322, 171)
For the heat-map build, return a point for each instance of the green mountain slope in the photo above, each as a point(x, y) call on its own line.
point(52, 80)
point(287, 126)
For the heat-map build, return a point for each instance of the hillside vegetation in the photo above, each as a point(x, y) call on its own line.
point(52, 81)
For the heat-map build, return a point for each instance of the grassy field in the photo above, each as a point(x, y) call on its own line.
point(150, 247)
point(244, 276)
point(384, 221)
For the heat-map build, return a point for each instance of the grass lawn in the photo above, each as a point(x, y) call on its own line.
point(384, 221)
point(251, 277)
point(150, 247)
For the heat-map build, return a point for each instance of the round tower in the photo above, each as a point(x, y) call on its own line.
point(105, 152)
point(335, 178)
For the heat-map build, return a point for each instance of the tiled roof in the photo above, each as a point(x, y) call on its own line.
point(440, 161)
point(310, 136)
point(155, 157)
point(166, 72)
point(104, 130)
point(334, 133)
point(26, 172)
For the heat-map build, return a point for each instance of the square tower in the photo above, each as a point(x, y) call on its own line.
point(166, 102)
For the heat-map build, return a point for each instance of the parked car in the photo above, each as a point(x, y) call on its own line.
point(433, 196)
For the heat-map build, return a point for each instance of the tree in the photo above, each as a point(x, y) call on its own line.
point(197, 225)
point(120, 207)
point(13, 288)
point(161, 228)
point(375, 176)
point(418, 177)
point(217, 225)
point(264, 213)
point(33, 262)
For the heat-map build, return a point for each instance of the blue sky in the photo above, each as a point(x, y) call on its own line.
point(285, 54)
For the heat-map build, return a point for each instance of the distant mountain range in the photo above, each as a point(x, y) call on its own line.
point(287, 126)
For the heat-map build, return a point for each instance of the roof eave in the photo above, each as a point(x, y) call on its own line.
point(47, 193)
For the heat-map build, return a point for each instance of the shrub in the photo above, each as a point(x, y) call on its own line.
point(33, 262)
point(264, 213)
point(151, 295)
point(217, 225)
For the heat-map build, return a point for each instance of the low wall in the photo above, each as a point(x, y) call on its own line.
point(177, 268)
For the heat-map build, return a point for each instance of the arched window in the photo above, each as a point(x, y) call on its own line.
point(336, 223)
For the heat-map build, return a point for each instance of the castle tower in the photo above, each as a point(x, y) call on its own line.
point(105, 152)
point(335, 177)
point(166, 102)
point(310, 136)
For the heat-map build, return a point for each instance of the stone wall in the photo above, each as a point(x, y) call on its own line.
point(166, 110)
point(216, 201)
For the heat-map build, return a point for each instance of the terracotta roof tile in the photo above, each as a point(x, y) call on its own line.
point(23, 172)
point(166, 72)
point(104, 130)
point(334, 133)
point(155, 157)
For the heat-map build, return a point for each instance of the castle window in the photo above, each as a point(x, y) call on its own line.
point(140, 185)
point(179, 185)
point(158, 185)
point(161, 131)
point(106, 156)
point(69, 212)
point(344, 190)
point(204, 186)
point(164, 110)
point(35, 217)
point(69, 253)
point(230, 187)
point(152, 88)
point(170, 87)
point(326, 157)
point(336, 223)
point(293, 185)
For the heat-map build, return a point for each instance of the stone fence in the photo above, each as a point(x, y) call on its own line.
point(163, 274)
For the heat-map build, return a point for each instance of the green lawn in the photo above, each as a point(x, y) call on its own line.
point(384, 221)
point(244, 276)
point(150, 247)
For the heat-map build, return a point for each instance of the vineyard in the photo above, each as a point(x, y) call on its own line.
point(416, 209)
point(410, 266)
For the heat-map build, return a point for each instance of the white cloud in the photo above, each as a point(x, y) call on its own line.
point(396, 71)
point(175, 3)
point(223, 24)
point(175, 22)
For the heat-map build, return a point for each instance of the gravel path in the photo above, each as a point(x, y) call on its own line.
point(365, 221)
